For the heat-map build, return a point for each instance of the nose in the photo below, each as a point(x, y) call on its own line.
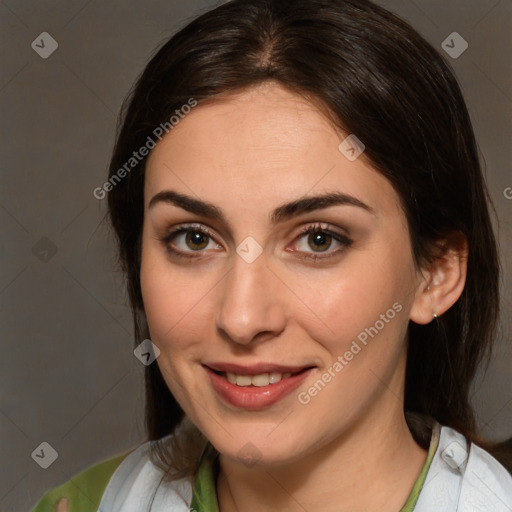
point(252, 303)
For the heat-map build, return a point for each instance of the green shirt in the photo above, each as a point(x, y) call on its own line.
point(205, 495)
point(84, 491)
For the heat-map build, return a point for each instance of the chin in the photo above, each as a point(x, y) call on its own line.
point(258, 448)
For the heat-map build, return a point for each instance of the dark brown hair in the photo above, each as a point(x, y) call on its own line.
point(378, 79)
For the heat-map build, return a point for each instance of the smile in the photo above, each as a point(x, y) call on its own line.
point(253, 387)
point(260, 380)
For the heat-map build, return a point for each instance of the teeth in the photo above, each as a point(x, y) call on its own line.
point(260, 380)
point(243, 380)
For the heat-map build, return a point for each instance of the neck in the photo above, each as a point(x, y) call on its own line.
point(337, 476)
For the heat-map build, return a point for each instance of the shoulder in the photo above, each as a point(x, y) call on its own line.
point(487, 482)
point(139, 484)
point(84, 491)
point(464, 477)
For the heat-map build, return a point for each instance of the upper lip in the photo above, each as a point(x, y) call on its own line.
point(256, 369)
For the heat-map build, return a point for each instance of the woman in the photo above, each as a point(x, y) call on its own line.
point(304, 227)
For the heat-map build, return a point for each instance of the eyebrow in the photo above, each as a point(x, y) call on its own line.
point(281, 213)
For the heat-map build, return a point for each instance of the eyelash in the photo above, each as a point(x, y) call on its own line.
point(317, 228)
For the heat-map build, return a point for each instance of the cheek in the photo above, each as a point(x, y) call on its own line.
point(171, 311)
point(364, 300)
point(176, 304)
point(165, 299)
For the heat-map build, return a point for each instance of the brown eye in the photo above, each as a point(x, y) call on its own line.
point(189, 241)
point(196, 240)
point(319, 241)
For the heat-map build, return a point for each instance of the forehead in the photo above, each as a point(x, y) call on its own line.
point(263, 143)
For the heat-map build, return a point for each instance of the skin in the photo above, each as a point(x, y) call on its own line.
point(248, 154)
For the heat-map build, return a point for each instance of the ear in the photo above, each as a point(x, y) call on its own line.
point(441, 285)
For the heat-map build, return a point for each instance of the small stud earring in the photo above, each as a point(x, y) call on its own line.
point(434, 315)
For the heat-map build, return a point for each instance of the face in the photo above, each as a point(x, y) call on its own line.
point(268, 330)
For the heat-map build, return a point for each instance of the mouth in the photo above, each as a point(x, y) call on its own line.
point(257, 386)
point(258, 380)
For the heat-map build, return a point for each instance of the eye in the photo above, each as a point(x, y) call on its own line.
point(314, 242)
point(319, 240)
point(186, 240)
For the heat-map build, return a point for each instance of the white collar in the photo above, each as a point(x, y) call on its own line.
point(464, 478)
point(137, 486)
point(460, 479)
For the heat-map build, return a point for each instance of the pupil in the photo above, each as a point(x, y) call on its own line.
point(321, 241)
point(197, 239)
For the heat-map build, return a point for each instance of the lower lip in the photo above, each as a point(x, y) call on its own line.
point(254, 397)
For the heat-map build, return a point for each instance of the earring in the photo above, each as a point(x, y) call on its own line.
point(434, 315)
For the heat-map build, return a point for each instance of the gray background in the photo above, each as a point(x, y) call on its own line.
point(68, 373)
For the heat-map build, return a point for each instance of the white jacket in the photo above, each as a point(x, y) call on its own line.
point(458, 480)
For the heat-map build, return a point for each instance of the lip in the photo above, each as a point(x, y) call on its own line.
point(254, 397)
point(255, 369)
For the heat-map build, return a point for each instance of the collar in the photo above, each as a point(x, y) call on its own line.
point(205, 495)
point(461, 476)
